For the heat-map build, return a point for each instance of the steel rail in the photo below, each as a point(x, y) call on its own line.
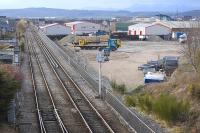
point(62, 126)
point(72, 81)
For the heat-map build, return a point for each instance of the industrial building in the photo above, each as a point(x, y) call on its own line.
point(179, 26)
point(56, 29)
point(147, 29)
point(81, 28)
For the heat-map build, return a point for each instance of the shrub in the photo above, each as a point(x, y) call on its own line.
point(168, 108)
point(121, 88)
point(145, 102)
point(130, 101)
point(165, 106)
point(9, 83)
point(113, 84)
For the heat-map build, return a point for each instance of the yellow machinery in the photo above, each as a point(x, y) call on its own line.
point(82, 42)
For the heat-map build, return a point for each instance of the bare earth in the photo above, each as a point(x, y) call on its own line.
point(123, 64)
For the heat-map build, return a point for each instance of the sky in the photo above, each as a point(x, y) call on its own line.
point(132, 5)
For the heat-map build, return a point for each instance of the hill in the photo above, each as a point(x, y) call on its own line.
point(62, 13)
point(191, 13)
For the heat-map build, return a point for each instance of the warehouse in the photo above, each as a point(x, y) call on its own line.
point(81, 28)
point(179, 26)
point(144, 30)
point(56, 30)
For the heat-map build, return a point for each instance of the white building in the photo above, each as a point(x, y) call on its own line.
point(80, 27)
point(55, 29)
point(147, 29)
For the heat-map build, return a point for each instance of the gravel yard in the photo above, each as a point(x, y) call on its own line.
point(123, 64)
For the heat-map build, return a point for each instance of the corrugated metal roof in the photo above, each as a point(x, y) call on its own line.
point(75, 22)
point(140, 25)
point(79, 22)
point(49, 25)
point(179, 24)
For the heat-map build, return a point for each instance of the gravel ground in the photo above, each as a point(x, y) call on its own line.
point(70, 118)
point(123, 63)
point(27, 119)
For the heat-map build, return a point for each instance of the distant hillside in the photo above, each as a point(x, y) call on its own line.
point(62, 13)
point(191, 13)
point(49, 12)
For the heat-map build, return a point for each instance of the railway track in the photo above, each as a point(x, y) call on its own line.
point(93, 120)
point(48, 116)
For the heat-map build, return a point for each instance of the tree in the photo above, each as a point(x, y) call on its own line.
point(10, 79)
point(21, 28)
point(191, 48)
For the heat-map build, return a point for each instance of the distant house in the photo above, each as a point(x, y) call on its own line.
point(81, 27)
point(56, 29)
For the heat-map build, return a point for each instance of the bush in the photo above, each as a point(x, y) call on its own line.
point(168, 108)
point(121, 88)
point(9, 83)
point(130, 101)
point(145, 102)
point(165, 106)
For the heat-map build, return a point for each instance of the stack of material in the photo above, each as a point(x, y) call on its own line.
point(104, 38)
point(92, 39)
point(67, 39)
point(88, 39)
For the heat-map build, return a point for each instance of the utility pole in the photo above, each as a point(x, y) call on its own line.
point(102, 56)
point(100, 94)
